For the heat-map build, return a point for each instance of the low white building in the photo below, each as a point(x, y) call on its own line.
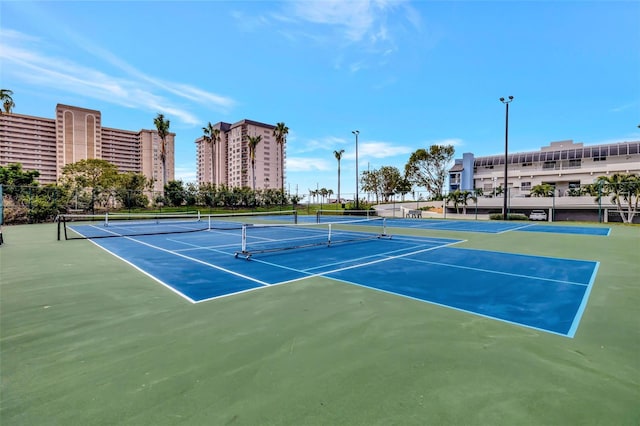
point(564, 165)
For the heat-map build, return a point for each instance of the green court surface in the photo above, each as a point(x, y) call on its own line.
point(86, 339)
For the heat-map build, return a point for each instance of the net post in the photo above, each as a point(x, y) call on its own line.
point(209, 226)
point(58, 220)
point(384, 226)
point(244, 238)
point(1, 206)
point(295, 216)
point(329, 236)
point(198, 215)
point(106, 219)
point(64, 225)
point(318, 216)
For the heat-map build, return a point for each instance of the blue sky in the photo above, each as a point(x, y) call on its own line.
point(406, 74)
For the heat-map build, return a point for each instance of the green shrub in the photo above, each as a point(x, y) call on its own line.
point(510, 216)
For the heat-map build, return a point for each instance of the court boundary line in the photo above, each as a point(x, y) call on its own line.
point(202, 262)
point(176, 291)
point(497, 272)
point(515, 229)
point(193, 301)
point(384, 259)
point(450, 307)
point(583, 304)
point(530, 255)
point(313, 274)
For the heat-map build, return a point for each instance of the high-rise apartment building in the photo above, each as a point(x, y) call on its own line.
point(47, 145)
point(228, 162)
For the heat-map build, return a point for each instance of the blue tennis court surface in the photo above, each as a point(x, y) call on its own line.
point(486, 226)
point(542, 293)
point(559, 229)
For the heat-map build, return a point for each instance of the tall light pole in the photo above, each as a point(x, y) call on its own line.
point(356, 132)
point(506, 155)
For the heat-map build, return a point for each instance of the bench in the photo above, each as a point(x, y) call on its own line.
point(412, 213)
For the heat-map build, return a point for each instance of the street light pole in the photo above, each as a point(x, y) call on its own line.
point(506, 156)
point(356, 132)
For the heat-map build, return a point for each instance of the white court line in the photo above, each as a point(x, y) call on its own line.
point(496, 272)
point(400, 256)
point(194, 247)
point(153, 277)
point(384, 257)
point(517, 228)
point(202, 262)
point(184, 257)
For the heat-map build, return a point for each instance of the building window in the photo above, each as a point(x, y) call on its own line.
point(525, 186)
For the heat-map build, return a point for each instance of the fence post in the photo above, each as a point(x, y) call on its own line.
point(600, 201)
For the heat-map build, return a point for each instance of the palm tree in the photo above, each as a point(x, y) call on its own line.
point(253, 143)
point(338, 155)
point(323, 193)
point(7, 100)
point(542, 190)
point(624, 190)
point(465, 196)
point(162, 126)
point(280, 133)
point(212, 136)
point(314, 193)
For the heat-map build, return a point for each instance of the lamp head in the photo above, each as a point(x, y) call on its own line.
point(355, 132)
point(510, 98)
point(501, 99)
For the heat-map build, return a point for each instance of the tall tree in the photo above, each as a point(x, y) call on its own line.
point(130, 188)
point(338, 155)
point(253, 144)
point(7, 100)
point(390, 178)
point(370, 182)
point(427, 168)
point(624, 190)
point(92, 177)
point(13, 175)
point(403, 187)
point(383, 182)
point(280, 132)
point(212, 136)
point(162, 126)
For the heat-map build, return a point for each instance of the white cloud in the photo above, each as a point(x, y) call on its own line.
point(185, 174)
point(134, 89)
point(340, 25)
point(328, 143)
point(355, 17)
point(308, 164)
point(378, 150)
point(621, 108)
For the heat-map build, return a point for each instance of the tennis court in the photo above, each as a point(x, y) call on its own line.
point(384, 324)
point(211, 257)
point(491, 227)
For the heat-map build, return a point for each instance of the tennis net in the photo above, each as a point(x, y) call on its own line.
point(327, 216)
point(265, 238)
point(108, 225)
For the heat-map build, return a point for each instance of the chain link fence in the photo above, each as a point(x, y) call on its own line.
point(33, 204)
